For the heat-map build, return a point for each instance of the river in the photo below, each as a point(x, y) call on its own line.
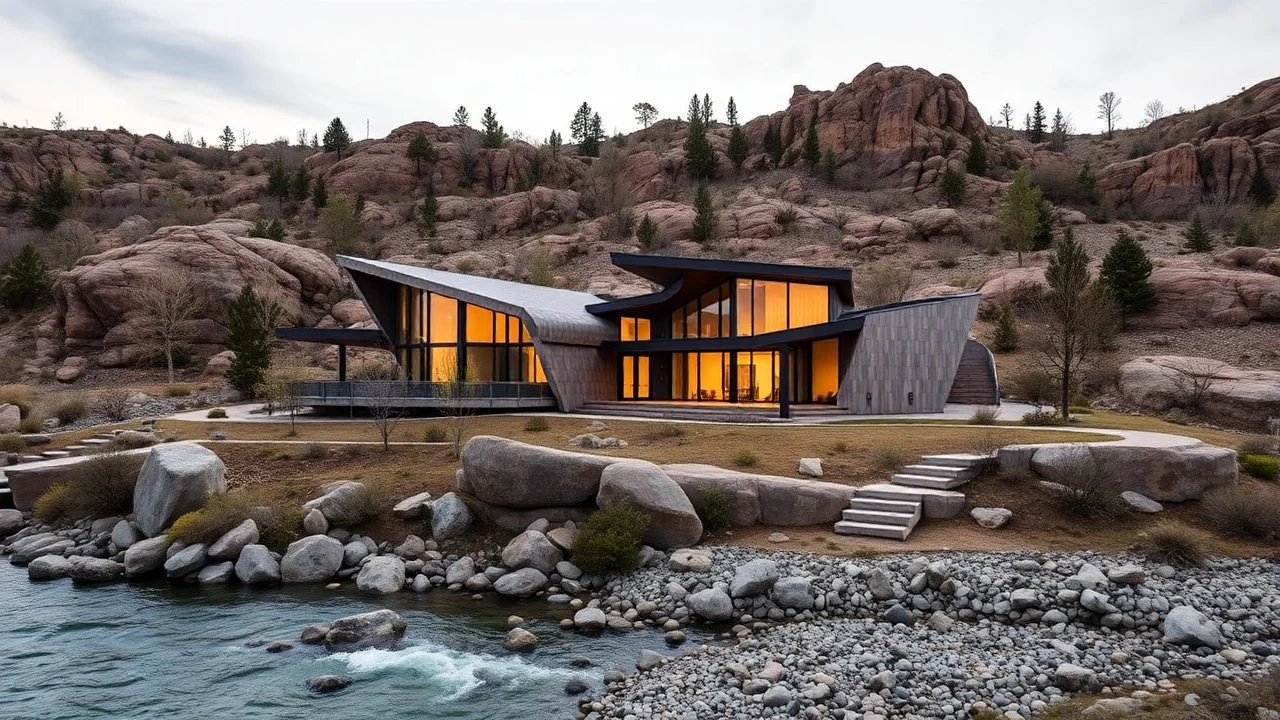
point(158, 650)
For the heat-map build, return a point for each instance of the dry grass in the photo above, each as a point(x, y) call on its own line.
point(1217, 701)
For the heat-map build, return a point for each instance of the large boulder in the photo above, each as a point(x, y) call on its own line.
point(450, 517)
point(1245, 398)
point(673, 522)
point(711, 604)
point(513, 474)
point(314, 558)
point(94, 570)
point(175, 479)
point(48, 567)
point(145, 556)
point(1163, 473)
point(228, 546)
point(345, 503)
point(11, 521)
point(377, 629)
point(381, 575)
point(521, 583)
point(186, 561)
point(1184, 625)
point(763, 499)
point(532, 549)
point(33, 546)
point(256, 566)
point(753, 578)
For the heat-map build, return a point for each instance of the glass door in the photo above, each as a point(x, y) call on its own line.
point(634, 377)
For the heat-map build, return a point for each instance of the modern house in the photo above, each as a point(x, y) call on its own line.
point(716, 333)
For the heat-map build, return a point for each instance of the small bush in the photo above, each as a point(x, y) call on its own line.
point(714, 509)
point(1013, 477)
point(988, 443)
point(1042, 418)
point(888, 458)
point(1087, 489)
point(12, 443)
point(216, 414)
point(1256, 445)
point(984, 416)
point(277, 528)
point(16, 394)
point(357, 507)
point(665, 431)
point(1263, 467)
point(1172, 545)
point(99, 487)
point(113, 404)
point(177, 391)
point(787, 216)
point(131, 441)
point(537, 424)
point(435, 434)
point(32, 423)
point(69, 409)
point(840, 447)
point(609, 540)
point(220, 513)
point(746, 458)
point(311, 451)
point(1244, 512)
point(54, 505)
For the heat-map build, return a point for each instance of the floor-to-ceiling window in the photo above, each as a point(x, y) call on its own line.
point(766, 306)
point(826, 370)
point(441, 338)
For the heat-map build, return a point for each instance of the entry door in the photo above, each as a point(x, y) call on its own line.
point(635, 377)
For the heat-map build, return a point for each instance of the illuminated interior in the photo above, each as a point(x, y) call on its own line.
point(435, 331)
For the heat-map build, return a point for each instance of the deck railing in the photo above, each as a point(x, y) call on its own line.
point(478, 393)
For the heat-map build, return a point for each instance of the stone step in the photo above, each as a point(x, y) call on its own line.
point(937, 503)
point(967, 460)
point(876, 517)
point(55, 454)
point(941, 471)
point(30, 458)
point(892, 532)
point(927, 481)
point(874, 504)
point(98, 441)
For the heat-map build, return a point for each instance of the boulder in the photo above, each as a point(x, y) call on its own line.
point(1140, 503)
point(94, 570)
point(344, 504)
point(450, 517)
point(11, 521)
point(377, 629)
point(673, 522)
point(753, 578)
point(588, 440)
point(48, 567)
point(793, 593)
point(763, 499)
point(216, 574)
point(328, 683)
point(461, 569)
point(1071, 677)
point(228, 546)
point(992, 518)
point(520, 640)
point(1162, 473)
point(513, 474)
point(186, 561)
point(33, 546)
point(811, 467)
point(521, 583)
point(219, 363)
point(411, 548)
point(175, 479)
point(256, 566)
point(145, 556)
point(314, 558)
point(71, 369)
point(563, 537)
point(315, 523)
point(531, 549)
point(689, 560)
point(590, 619)
point(411, 507)
point(353, 552)
point(381, 575)
point(1244, 398)
point(1184, 625)
point(898, 615)
point(1023, 598)
point(123, 534)
point(712, 604)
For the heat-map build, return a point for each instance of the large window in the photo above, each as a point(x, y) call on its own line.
point(766, 306)
point(700, 376)
point(826, 370)
point(636, 328)
point(441, 338)
point(704, 317)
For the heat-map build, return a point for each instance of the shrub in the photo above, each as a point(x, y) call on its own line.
point(53, 505)
point(665, 431)
point(99, 487)
point(220, 513)
point(1172, 545)
point(745, 458)
point(840, 447)
point(1263, 467)
point(988, 443)
point(216, 414)
point(177, 391)
point(1256, 445)
point(113, 404)
point(435, 434)
point(1087, 490)
point(277, 528)
point(984, 416)
point(130, 441)
point(537, 424)
point(32, 423)
point(16, 394)
point(1042, 418)
point(1005, 338)
point(12, 443)
point(311, 451)
point(609, 540)
point(69, 409)
point(888, 458)
point(714, 509)
point(1244, 512)
point(786, 217)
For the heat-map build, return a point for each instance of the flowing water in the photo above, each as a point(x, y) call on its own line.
point(164, 651)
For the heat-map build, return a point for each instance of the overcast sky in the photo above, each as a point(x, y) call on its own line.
point(273, 67)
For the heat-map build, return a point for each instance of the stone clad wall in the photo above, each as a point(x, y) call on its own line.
point(578, 374)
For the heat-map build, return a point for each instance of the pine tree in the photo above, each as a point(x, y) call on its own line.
point(168, 137)
point(704, 218)
point(1088, 182)
point(277, 181)
point(1076, 316)
point(301, 185)
point(951, 186)
point(580, 126)
point(554, 141)
point(976, 162)
point(420, 151)
point(1019, 212)
point(1035, 126)
point(695, 109)
point(1125, 270)
point(494, 136)
point(1005, 338)
point(319, 194)
point(1043, 238)
point(25, 280)
point(699, 155)
point(812, 150)
point(647, 234)
point(227, 140)
point(590, 145)
point(430, 213)
point(1260, 190)
point(336, 138)
point(461, 118)
point(773, 144)
point(1198, 240)
point(1058, 132)
point(251, 324)
point(731, 112)
point(1246, 235)
point(829, 166)
point(707, 117)
point(739, 146)
point(52, 198)
point(645, 113)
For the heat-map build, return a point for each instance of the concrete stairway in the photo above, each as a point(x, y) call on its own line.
point(893, 509)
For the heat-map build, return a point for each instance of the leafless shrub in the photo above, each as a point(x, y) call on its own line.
point(888, 458)
point(1251, 512)
point(883, 283)
point(1219, 213)
point(1256, 445)
point(1172, 545)
point(1086, 489)
point(1195, 382)
point(984, 416)
point(113, 404)
point(882, 201)
point(69, 241)
point(988, 443)
point(947, 253)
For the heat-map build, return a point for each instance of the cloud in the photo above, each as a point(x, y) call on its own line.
point(124, 43)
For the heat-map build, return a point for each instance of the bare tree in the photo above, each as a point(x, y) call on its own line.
point(384, 402)
point(458, 401)
point(169, 309)
point(303, 137)
point(1153, 112)
point(1109, 110)
point(1006, 114)
point(58, 122)
point(280, 391)
point(1196, 380)
point(884, 283)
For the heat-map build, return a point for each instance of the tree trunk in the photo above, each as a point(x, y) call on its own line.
point(168, 358)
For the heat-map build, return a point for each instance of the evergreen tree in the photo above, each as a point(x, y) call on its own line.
point(1058, 132)
point(301, 185)
point(1005, 338)
point(645, 113)
point(430, 213)
point(1198, 240)
point(554, 141)
point(739, 147)
point(227, 140)
point(1019, 212)
point(731, 112)
point(1035, 125)
point(340, 223)
point(277, 181)
point(1246, 235)
point(336, 138)
point(707, 117)
point(168, 137)
point(1043, 238)
point(52, 198)
point(773, 144)
point(1076, 314)
point(494, 136)
point(590, 145)
point(252, 322)
point(829, 166)
point(647, 234)
point(699, 155)
point(319, 194)
point(695, 109)
point(25, 281)
point(1125, 270)
point(976, 162)
point(580, 126)
point(1260, 190)
point(704, 218)
point(420, 151)
point(1088, 182)
point(461, 118)
point(952, 186)
point(812, 151)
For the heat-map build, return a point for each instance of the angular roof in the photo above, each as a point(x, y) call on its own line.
point(553, 314)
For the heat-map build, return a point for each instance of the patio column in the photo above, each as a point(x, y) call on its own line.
point(784, 381)
point(342, 363)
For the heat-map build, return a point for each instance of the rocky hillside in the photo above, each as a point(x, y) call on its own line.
point(145, 207)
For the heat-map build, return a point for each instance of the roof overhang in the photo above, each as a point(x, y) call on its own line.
point(352, 337)
point(701, 274)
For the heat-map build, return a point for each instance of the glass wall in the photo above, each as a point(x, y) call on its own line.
point(441, 338)
point(766, 306)
point(704, 317)
point(631, 328)
point(826, 370)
